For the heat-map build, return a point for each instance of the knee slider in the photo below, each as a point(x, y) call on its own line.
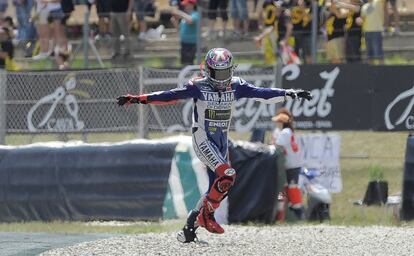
point(224, 184)
point(226, 177)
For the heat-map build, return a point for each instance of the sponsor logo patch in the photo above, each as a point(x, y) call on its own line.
point(230, 172)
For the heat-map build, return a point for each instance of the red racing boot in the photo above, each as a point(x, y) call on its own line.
point(206, 218)
point(221, 186)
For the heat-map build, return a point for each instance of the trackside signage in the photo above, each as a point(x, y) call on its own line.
point(406, 119)
point(346, 97)
point(356, 97)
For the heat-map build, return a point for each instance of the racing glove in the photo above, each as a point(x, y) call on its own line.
point(130, 99)
point(299, 94)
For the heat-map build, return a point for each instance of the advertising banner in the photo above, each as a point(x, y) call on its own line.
point(346, 97)
point(354, 97)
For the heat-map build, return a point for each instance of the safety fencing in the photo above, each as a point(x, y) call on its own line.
point(79, 101)
point(346, 97)
point(84, 101)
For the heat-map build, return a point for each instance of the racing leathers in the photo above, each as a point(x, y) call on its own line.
point(212, 111)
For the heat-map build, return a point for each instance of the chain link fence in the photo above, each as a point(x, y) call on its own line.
point(78, 101)
point(83, 102)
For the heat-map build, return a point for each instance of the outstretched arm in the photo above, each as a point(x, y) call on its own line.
point(268, 95)
point(162, 97)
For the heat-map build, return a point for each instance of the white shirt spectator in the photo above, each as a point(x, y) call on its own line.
point(286, 139)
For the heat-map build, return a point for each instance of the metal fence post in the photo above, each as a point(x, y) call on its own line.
point(314, 31)
point(3, 86)
point(141, 124)
point(278, 73)
point(199, 27)
point(86, 37)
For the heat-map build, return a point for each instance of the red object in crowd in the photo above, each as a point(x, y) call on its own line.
point(185, 2)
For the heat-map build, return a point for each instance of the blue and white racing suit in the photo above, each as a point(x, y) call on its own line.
point(212, 111)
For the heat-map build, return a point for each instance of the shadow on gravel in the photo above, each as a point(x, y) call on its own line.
point(19, 244)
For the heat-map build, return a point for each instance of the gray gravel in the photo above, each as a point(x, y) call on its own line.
point(268, 240)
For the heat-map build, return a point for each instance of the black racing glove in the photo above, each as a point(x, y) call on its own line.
point(299, 94)
point(131, 99)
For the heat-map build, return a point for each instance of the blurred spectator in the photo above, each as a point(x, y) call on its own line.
point(146, 8)
point(284, 136)
point(353, 29)
point(26, 30)
point(6, 48)
point(120, 16)
point(267, 18)
point(187, 22)
point(335, 30)
point(279, 21)
point(3, 7)
point(373, 15)
point(62, 52)
point(302, 29)
point(103, 8)
point(216, 8)
point(50, 12)
point(8, 23)
point(395, 14)
point(239, 14)
point(67, 8)
point(23, 12)
point(140, 8)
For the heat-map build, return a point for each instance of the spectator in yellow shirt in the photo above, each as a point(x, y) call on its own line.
point(373, 15)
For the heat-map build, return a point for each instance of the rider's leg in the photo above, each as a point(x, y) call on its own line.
point(187, 234)
point(192, 216)
point(215, 159)
point(225, 177)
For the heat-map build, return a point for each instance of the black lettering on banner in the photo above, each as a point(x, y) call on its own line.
point(328, 147)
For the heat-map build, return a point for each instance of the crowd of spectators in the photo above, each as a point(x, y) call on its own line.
point(42, 27)
point(346, 25)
